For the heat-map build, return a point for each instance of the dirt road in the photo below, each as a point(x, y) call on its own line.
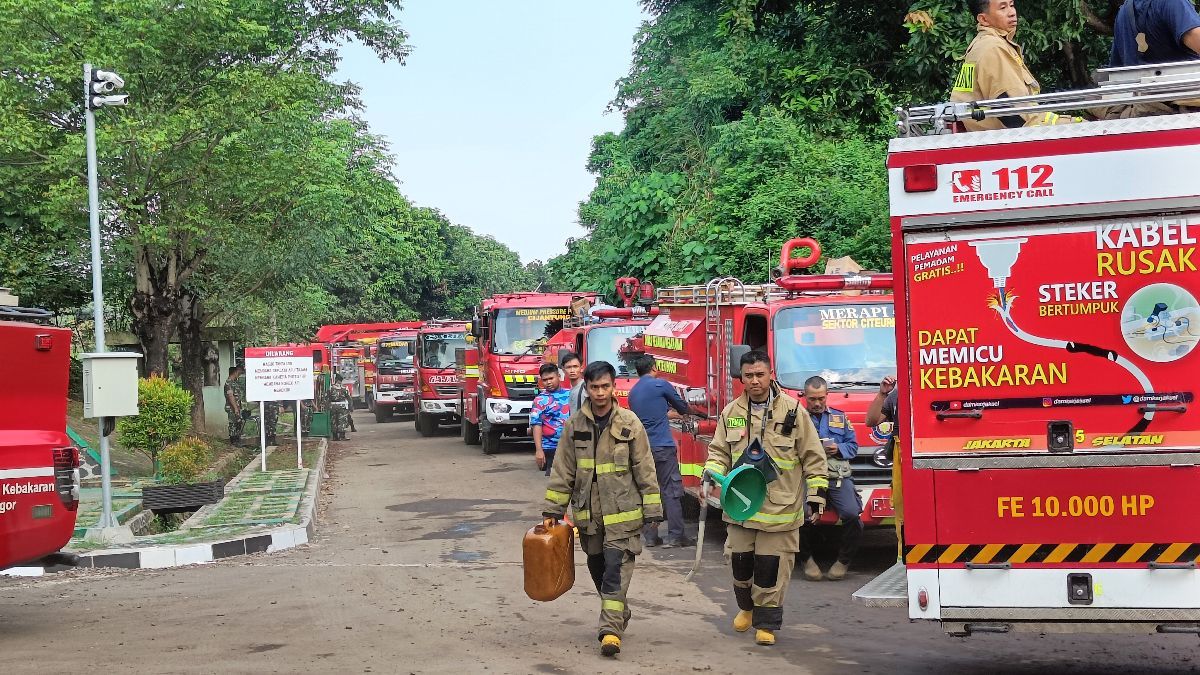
point(416, 569)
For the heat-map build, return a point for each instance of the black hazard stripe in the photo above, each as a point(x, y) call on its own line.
point(1017, 554)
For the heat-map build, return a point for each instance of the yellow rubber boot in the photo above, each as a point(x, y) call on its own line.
point(764, 637)
point(610, 645)
point(741, 622)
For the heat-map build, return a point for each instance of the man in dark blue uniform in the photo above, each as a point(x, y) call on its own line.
point(837, 437)
point(651, 399)
point(1155, 31)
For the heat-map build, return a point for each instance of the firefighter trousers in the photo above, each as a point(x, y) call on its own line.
point(762, 568)
point(610, 563)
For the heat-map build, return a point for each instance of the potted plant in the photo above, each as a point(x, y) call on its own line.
point(164, 418)
point(182, 464)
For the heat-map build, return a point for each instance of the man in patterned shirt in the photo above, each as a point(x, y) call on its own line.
point(551, 409)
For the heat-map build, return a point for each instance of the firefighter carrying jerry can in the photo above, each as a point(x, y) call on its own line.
point(603, 468)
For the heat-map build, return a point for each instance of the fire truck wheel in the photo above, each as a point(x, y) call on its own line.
point(470, 432)
point(426, 426)
point(491, 441)
point(382, 414)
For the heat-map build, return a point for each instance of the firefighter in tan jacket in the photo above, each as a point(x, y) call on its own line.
point(762, 550)
point(994, 67)
point(604, 470)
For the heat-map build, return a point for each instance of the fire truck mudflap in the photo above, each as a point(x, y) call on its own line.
point(1051, 440)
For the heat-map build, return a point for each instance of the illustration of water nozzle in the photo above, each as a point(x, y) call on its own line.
point(998, 256)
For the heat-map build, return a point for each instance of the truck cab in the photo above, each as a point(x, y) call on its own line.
point(437, 383)
point(612, 334)
point(395, 374)
point(840, 327)
point(511, 332)
point(39, 465)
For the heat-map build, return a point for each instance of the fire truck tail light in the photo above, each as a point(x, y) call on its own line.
point(43, 343)
point(66, 476)
point(920, 178)
point(923, 599)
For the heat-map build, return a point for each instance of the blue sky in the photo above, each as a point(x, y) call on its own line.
point(491, 118)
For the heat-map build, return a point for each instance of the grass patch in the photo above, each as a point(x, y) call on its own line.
point(284, 457)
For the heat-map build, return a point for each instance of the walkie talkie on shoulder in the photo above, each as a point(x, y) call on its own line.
point(789, 422)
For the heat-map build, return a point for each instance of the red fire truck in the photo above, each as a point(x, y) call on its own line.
point(349, 349)
point(511, 331)
point(837, 326)
point(612, 334)
point(438, 385)
point(1049, 441)
point(395, 372)
point(39, 466)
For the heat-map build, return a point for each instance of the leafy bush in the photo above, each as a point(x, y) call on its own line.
point(184, 461)
point(164, 416)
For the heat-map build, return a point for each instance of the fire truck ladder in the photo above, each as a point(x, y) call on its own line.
point(1131, 85)
point(714, 292)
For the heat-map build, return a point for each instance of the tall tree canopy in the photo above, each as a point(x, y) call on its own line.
point(748, 122)
point(238, 186)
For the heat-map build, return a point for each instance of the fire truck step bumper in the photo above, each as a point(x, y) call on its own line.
point(889, 589)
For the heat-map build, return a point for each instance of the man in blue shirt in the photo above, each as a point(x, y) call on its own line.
point(1155, 31)
point(550, 412)
point(837, 437)
point(650, 400)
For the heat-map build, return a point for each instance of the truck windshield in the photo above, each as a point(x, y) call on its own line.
point(525, 330)
point(437, 349)
point(395, 354)
point(846, 344)
point(604, 343)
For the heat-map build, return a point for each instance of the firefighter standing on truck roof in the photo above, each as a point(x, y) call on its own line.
point(994, 67)
point(605, 471)
point(763, 549)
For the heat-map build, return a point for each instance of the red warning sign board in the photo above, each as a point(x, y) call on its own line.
point(1094, 323)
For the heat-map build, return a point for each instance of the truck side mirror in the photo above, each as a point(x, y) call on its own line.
point(736, 352)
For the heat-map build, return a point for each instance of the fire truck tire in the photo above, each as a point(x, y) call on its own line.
point(470, 432)
point(426, 425)
point(491, 441)
point(382, 414)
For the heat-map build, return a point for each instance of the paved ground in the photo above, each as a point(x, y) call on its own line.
point(416, 568)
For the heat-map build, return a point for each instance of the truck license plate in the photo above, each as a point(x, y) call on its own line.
point(881, 507)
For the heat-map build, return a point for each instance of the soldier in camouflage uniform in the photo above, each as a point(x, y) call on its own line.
point(235, 400)
point(339, 416)
point(306, 413)
point(271, 420)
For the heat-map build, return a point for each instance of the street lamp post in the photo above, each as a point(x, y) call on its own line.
point(98, 88)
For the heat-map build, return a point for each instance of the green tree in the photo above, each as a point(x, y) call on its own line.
point(164, 417)
point(748, 122)
point(213, 85)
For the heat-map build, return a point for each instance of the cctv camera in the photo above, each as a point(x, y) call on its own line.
point(103, 101)
point(103, 87)
point(109, 76)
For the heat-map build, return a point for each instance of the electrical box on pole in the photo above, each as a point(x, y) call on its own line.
point(110, 384)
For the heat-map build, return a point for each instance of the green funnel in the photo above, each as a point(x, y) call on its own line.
point(742, 491)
